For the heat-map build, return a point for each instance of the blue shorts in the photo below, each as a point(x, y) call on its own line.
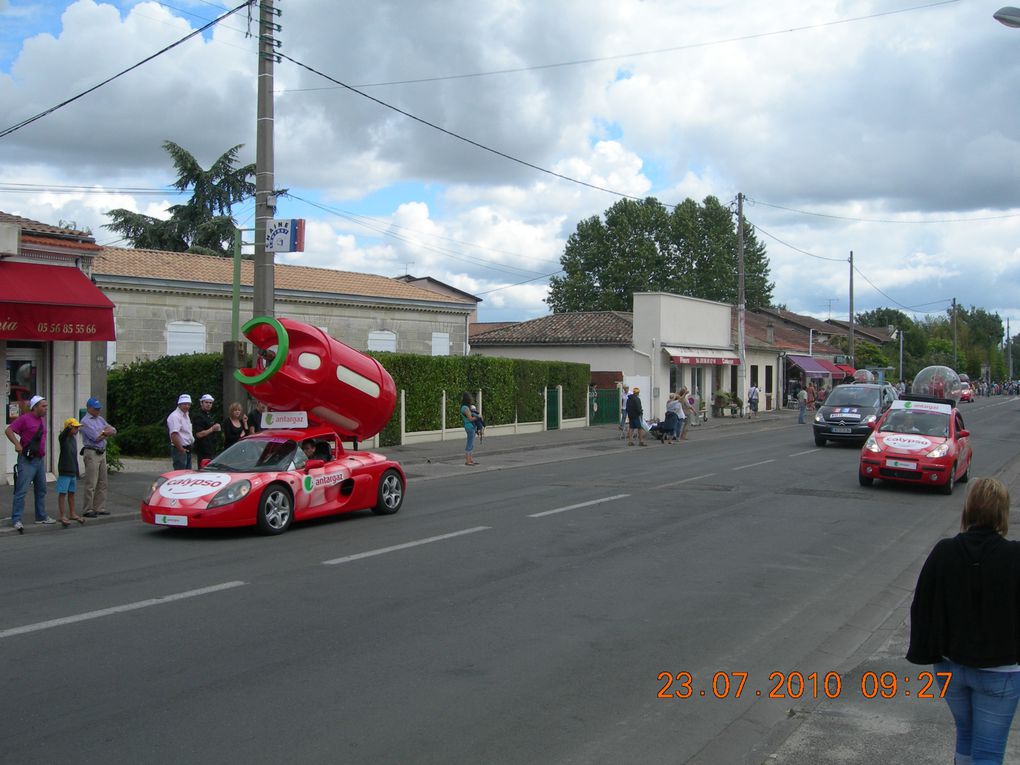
point(635, 423)
point(66, 484)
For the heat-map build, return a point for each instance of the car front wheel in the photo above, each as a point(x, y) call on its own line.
point(947, 487)
point(391, 493)
point(819, 441)
point(864, 480)
point(276, 510)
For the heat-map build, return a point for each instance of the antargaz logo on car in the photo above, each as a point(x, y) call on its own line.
point(311, 482)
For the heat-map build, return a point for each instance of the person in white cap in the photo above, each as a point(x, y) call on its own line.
point(28, 434)
point(181, 438)
point(207, 430)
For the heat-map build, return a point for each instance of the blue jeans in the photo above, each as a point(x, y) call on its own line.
point(983, 704)
point(470, 446)
point(803, 411)
point(180, 461)
point(29, 471)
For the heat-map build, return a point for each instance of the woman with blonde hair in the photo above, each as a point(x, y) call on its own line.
point(965, 620)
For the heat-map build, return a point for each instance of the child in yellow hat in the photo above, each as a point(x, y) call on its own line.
point(67, 472)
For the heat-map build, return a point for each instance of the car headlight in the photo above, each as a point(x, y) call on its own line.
point(872, 444)
point(939, 451)
point(819, 417)
point(156, 484)
point(870, 419)
point(231, 493)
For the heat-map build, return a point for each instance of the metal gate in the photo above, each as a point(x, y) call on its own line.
point(552, 409)
point(605, 407)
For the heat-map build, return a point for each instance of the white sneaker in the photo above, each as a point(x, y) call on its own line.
point(45, 522)
point(18, 526)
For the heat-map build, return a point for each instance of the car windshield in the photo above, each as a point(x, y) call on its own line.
point(850, 395)
point(255, 455)
point(924, 423)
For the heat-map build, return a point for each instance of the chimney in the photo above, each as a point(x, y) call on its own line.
point(770, 333)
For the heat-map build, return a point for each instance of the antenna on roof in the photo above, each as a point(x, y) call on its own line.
point(830, 301)
point(407, 267)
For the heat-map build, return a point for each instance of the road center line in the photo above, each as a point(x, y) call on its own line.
point(683, 480)
point(118, 609)
point(404, 546)
point(753, 464)
point(809, 451)
point(580, 504)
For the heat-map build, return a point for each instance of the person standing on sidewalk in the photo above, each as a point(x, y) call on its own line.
point(28, 434)
point(206, 429)
point(752, 400)
point(181, 437)
point(468, 418)
point(624, 395)
point(94, 432)
point(68, 472)
point(965, 621)
point(635, 413)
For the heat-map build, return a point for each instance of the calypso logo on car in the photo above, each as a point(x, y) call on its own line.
point(312, 482)
point(905, 441)
point(193, 485)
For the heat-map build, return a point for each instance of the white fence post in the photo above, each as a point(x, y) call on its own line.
point(403, 417)
point(559, 406)
point(545, 408)
point(442, 418)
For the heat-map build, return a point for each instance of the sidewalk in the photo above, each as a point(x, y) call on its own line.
point(426, 461)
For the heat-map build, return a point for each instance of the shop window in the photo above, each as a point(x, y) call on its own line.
point(382, 340)
point(754, 374)
point(184, 337)
point(440, 343)
point(111, 353)
point(768, 379)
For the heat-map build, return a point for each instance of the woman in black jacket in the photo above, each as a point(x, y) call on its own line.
point(965, 620)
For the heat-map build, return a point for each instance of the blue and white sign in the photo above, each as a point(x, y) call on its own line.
point(285, 235)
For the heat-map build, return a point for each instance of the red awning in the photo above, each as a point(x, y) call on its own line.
point(42, 302)
point(838, 371)
point(850, 371)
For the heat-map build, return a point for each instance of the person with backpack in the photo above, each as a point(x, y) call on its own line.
point(752, 401)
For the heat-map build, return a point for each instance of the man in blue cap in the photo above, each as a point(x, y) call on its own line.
point(94, 432)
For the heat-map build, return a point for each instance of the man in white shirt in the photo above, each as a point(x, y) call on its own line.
point(181, 437)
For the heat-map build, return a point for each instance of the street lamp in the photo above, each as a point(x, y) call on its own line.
point(1009, 16)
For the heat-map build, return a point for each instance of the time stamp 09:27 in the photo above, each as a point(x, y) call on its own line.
point(813, 685)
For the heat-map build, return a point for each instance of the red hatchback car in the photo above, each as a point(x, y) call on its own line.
point(919, 441)
point(269, 480)
point(966, 393)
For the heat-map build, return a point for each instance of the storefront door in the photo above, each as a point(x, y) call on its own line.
point(24, 379)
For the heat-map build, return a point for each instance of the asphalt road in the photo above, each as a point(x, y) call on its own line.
point(526, 615)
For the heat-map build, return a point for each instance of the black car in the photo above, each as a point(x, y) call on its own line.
point(849, 410)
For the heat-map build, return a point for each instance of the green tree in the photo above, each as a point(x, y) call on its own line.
point(640, 247)
point(204, 223)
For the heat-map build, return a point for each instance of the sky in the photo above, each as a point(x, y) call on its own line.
point(888, 128)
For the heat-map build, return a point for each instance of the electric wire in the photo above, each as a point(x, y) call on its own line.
point(28, 121)
point(639, 54)
point(880, 220)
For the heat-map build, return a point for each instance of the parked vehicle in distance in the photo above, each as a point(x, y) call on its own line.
point(920, 442)
point(849, 411)
point(966, 393)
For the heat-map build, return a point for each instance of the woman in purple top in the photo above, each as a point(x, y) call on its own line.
point(28, 434)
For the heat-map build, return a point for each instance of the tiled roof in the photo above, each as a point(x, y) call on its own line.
point(35, 227)
point(785, 337)
point(807, 322)
point(577, 328)
point(209, 269)
point(481, 327)
point(875, 334)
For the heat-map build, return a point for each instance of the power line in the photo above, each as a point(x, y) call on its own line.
point(881, 220)
point(638, 54)
point(7, 131)
point(796, 249)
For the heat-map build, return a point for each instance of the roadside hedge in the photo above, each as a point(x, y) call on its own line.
point(143, 393)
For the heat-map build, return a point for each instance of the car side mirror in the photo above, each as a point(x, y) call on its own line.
point(314, 464)
point(962, 433)
point(203, 463)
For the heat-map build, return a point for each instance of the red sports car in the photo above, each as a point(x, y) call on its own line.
point(919, 442)
point(274, 478)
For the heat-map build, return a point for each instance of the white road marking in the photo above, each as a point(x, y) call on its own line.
point(382, 550)
point(684, 480)
point(580, 504)
point(809, 451)
point(118, 609)
point(753, 464)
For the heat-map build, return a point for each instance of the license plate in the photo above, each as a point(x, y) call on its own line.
point(171, 520)
point(901, 464)
point(838, 429)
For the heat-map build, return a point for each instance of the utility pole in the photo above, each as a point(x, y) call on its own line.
point(265, 201)
point(902, 376)
point(954, 334)
point(740, 298)
point(1009, 349)
point(850, 342)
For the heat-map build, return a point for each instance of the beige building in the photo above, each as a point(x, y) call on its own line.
point(170, 303)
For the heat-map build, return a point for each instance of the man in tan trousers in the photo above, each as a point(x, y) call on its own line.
point(94, 432)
